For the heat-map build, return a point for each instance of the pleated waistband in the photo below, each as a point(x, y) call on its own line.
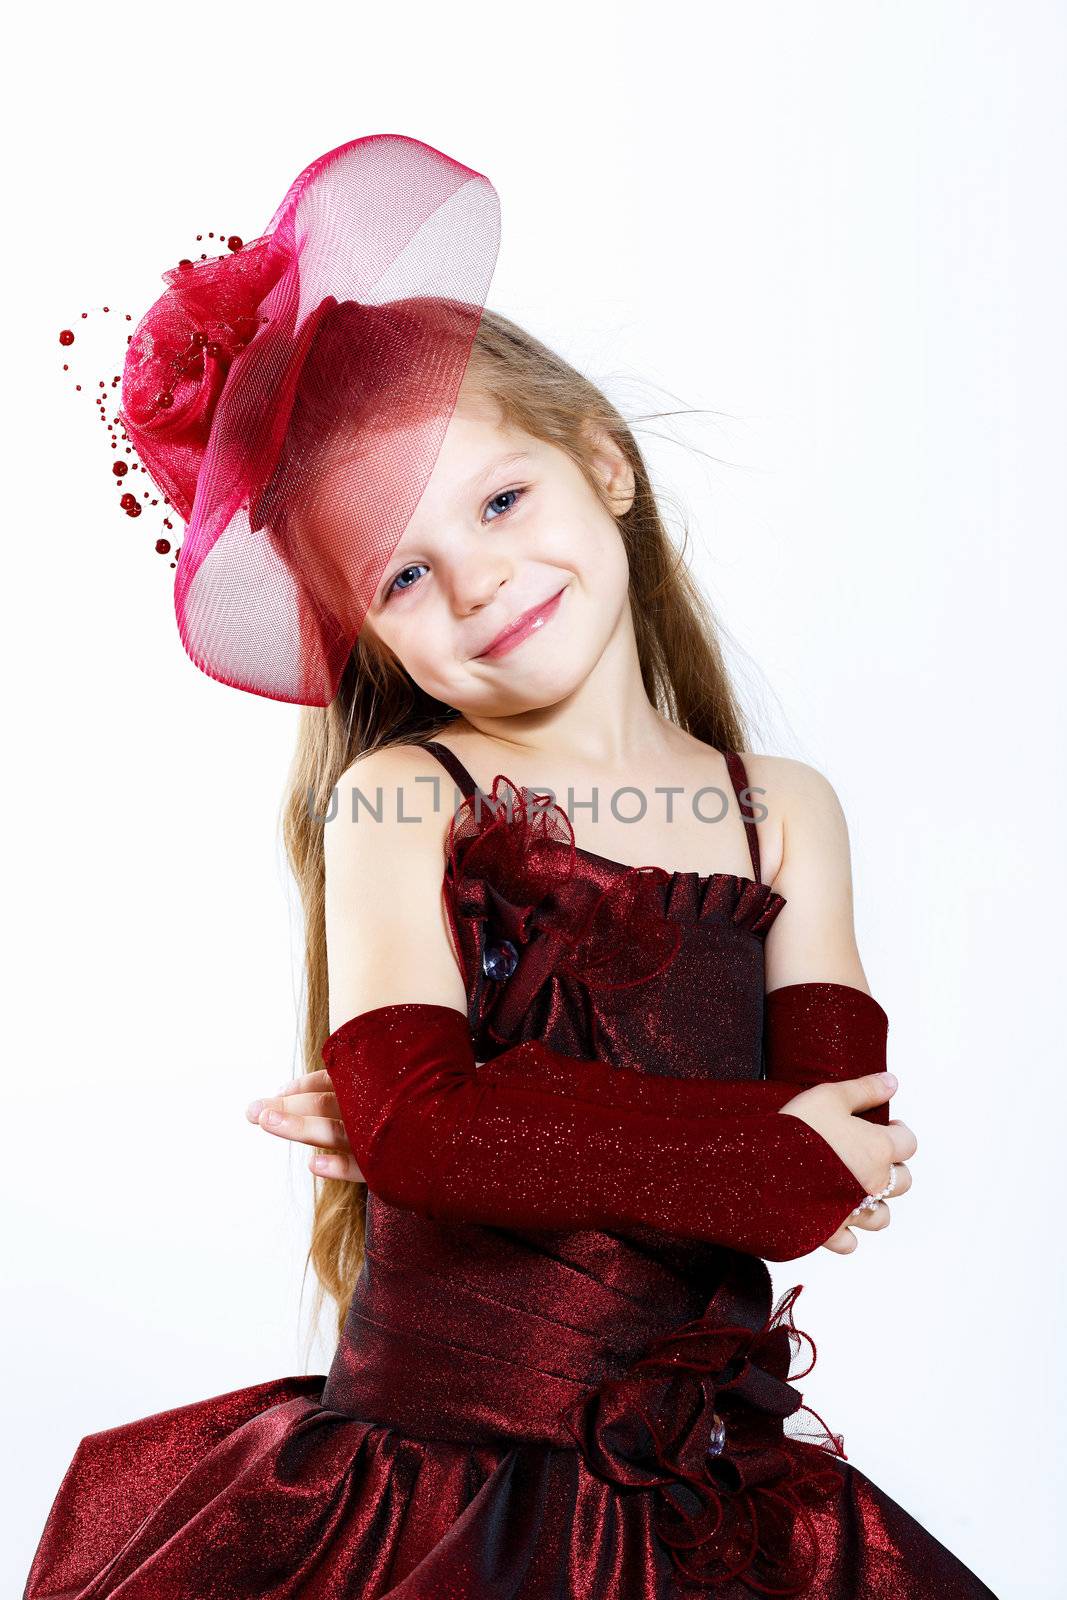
point(474, 1335)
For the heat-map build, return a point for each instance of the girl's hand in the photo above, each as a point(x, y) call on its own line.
point(870, 1150)
point(309, 1113)
point(844, 1241)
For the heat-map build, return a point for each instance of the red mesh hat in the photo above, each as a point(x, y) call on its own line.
point(291, 399)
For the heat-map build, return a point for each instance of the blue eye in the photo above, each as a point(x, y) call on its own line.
point(518, 493)
point(396, 587)
point(393, 587)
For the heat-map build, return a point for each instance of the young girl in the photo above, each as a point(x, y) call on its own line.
point(572, 1102)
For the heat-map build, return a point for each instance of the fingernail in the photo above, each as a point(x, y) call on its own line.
point(322, 1163)
point(890, 1079)
point(253, 1110)
point(274, 1119)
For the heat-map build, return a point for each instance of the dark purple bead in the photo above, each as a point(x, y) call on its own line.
point(500, 960)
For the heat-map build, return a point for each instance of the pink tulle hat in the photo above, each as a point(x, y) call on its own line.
point(340, 336)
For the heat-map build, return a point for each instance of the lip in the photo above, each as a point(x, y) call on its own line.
point(529, 622)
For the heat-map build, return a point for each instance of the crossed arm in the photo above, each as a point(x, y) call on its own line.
point(823, 1030)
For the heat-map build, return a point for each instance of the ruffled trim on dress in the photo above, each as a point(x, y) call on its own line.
point(515, 895)
point(744, 902)
point(526, 904)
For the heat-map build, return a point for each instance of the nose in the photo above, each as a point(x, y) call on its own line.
point(477, 578)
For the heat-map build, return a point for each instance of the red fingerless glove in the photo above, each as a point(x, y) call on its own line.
point(823, 1033)
point(535, 1139)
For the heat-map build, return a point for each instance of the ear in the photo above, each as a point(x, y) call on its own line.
point(611, 466)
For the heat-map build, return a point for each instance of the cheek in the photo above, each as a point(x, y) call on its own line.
point(423, 648)
point(598, 556)
point(582, 539)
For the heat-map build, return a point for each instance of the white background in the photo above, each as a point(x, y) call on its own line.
point(841, 229)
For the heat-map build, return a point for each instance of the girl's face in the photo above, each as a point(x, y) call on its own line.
point(506, 525)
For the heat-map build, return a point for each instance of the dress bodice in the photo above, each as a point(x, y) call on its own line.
point(656, 971)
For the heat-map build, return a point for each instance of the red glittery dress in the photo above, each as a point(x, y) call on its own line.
point(518, 1414)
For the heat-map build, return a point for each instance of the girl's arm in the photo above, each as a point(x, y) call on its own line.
point(455, 1142)
point(603, 1147)
point(821, 1023)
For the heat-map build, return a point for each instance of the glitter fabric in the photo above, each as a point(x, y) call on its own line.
point(587, 1411)
point(532, 1140)
point(822, 1033)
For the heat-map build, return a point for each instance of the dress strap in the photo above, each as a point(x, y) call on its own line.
point(449, 759)
point(739, 779)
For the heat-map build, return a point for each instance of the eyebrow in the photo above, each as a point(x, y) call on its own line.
point(498, 466)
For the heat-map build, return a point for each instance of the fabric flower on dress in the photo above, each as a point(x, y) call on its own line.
point(699, 1418)
point(510, 875)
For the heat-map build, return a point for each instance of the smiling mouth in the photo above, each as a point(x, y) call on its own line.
point(530, 622)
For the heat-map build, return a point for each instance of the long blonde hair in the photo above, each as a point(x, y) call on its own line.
point(378, 704)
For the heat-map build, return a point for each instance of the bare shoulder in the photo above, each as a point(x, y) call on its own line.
point(788, 781)
point(391, 803)
point(387, 934)
point(801, 812)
